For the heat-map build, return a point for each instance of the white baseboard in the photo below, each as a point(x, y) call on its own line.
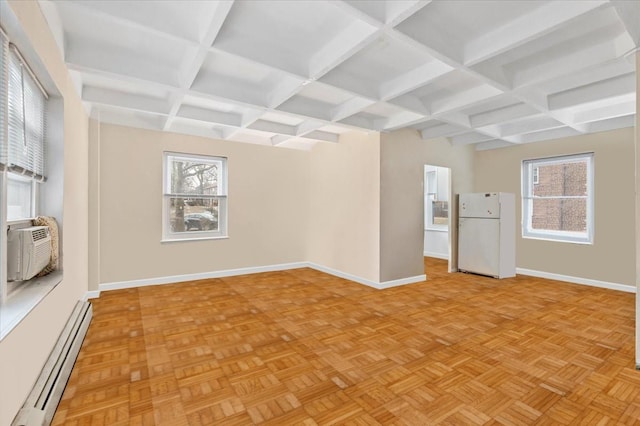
point(93, 294)
point(402, 281)
point(253, 270)
point(200, 276)
point(576, 280)
point(344, 275)
point(436, 255)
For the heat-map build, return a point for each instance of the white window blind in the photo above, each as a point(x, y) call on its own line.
point(26, 120)
point(4, 48)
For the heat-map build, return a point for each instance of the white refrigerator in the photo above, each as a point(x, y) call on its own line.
point(486, 234)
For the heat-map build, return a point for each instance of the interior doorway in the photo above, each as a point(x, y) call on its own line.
point(438, 213)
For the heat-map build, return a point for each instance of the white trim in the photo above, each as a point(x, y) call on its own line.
point(92, 294)
point(344, 275)
point(253, 270)
point(365, 281)
point(402, 281)
point(436, 255)
point(199, 276)
point(576, 280)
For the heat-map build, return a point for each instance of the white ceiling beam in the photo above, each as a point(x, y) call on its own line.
point(470, 138)
point(595, 92)
point(629, 13)
point(360, 121)
point(99, 57)
point(249, 116)
point(350, 107)
point(557, 133)
point(271, 127)
point(341, 47)
point(455, 117)
point(348, 7)
point(190, 68)
point(612, 124)
point(402, 119)
point(413, 79)
point(501, 115)
point(323, 136)
point(412, 103)
point(464, 99)
point(279, 139)
point(442, 130)
point(308, 126)
point(207, 115)
point(283, 92)
point(125, 100)
point(493, 144)
point(529, 126)
point(526, 28)
point(598, 113)
point(398, 11)
point(567, 63)
point(395, 125)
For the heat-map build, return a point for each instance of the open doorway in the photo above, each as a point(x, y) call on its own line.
point(437, 213)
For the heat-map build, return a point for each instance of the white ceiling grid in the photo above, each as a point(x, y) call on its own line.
point(291, 73)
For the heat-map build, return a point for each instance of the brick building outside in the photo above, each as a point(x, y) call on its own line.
point(560, 214)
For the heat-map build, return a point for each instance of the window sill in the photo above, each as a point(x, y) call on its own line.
point(555, 239)
point(24, 298)
point(178, 240)
point(437, 229)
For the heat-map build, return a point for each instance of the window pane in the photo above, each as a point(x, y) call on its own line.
point(440, 212)
point(18, 198)
point(560, 214)
point(561, 179)
point(189, 177)
point(194, 214)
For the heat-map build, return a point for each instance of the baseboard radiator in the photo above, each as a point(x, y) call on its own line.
point(41, 404)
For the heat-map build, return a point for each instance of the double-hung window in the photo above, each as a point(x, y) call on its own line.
point(23, 148)
point(557, 198)
point(195, 197)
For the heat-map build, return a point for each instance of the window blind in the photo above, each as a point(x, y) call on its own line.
point(25, 120)
point(4, 49)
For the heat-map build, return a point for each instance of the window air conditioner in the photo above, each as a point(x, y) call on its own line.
point(28, 252)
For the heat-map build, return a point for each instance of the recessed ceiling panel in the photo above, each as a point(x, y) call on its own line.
point(288, 34)
point(447, 26)
point(239, 79)
point(188, 19)
point(585, 42)
point(386, 61)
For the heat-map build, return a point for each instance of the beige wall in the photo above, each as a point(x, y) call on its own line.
point(24, 351)
point(94, 204)
point(344, 214)
point(403, 156)
point(612, 256)
point(267, 204)
point(637, 215)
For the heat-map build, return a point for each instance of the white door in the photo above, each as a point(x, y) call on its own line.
point(479, 246)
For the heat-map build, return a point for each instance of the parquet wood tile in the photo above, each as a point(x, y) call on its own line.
point(301, 347)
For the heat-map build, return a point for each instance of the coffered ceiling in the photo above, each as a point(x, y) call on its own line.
point(292, 73)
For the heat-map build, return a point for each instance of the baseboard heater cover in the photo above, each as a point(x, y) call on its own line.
point(41, 404)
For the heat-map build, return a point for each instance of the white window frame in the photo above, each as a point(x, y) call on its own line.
point(527, 200)
point(167, 234)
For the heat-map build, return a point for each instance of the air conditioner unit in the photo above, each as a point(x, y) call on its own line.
point(28, 252)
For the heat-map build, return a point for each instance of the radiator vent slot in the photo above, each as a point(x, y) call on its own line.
point(41, 404)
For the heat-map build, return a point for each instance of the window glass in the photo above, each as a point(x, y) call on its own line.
point(558, 198)
point(195, 196)
point(19, 198)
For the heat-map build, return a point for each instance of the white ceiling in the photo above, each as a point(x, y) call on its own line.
point(291, 73)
